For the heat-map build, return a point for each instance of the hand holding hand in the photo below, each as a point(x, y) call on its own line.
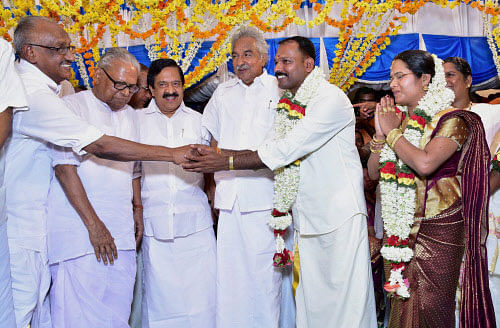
point(205, 159)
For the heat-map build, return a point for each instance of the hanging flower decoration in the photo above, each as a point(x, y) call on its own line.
point(290, 110)
point(176, 28)
point(397, 184)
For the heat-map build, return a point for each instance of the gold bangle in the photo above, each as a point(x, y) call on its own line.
point(217, 149)
point(377, 141)
point(375, 151)
point(231, 163)
point(393, 136)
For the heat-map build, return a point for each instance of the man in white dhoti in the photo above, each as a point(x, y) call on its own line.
point(12, 99)
point(179, 241)
point(459, 79)
point(238, 116)
point(88, 192)
point(335, 284)
point(46, 54)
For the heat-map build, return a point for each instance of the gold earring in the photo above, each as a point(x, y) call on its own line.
point(426, 87)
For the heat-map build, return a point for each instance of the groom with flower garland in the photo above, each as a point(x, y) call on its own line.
point(318, 178)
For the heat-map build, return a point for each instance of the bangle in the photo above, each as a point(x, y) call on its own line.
point(393, 136)
point(137, 207)
point(218, 150)
point(231, 163)
point(373, 150)
point(377, 141)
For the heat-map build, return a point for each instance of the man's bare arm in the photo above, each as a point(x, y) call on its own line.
point(118, 149)
point(99, 235)
point(5, 125)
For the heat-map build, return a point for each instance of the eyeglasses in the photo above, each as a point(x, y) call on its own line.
point(120, 85)
point(60, 50)
point(398, 76)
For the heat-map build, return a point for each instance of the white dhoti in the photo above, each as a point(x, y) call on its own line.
point(179, 281)
point(30, 285)
point(86, 293)
point(248, 286)
point(135, 320)
point(7, 317)
point(335, 285)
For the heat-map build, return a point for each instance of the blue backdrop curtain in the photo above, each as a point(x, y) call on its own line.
point(474, 49)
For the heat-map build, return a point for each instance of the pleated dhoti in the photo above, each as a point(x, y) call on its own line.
point(86, 293)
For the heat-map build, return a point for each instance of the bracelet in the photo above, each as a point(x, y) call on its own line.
point(376, 146)
point(217, 149)
point(137, 207)
point(393, 136)
point(375, 151)
point(377, 141)
point(231, 163)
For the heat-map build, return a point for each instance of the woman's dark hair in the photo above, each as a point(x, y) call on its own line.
point(158, 65)
point(461, 65)
point(418, 61)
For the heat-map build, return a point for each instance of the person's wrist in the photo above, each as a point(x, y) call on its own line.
point(137, 207)
point(393, 136)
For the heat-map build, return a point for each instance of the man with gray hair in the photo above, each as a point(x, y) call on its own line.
point(238, 116)
point(45, 61)
point(91, 220)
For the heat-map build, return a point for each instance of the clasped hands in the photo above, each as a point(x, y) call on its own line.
point(200, 158)
point(386, 118)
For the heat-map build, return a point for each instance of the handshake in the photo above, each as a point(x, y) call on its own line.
point(200, 158)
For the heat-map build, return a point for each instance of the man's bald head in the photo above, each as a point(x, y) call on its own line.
point(45, 44)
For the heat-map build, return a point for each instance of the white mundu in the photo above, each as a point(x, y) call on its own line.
point(28, 168)
point(75, 301)
point(11, 95)
point(179, 243)
point(335, 284)
point(248, 286)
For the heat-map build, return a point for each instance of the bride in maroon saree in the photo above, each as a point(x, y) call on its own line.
point(448, 170)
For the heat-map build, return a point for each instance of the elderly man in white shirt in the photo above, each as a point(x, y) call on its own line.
point(12, 99)
point(46, 54)
point(335, 285)
point(91, 191)
point(238, 116)
point(179, 241)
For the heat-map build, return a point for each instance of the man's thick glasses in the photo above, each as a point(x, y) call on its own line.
point(120, 85)
point(60, 50)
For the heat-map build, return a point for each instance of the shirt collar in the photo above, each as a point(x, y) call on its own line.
point(25, 67)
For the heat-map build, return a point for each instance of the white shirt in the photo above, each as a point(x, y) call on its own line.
point(11, 95)
point(28, 169)
point(108, 184)
point(173, 199)
point(239, 117)
point(490, 116)
point(331, 177)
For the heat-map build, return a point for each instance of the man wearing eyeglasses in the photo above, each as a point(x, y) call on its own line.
point(141, 98)
point(45, 57)
point(89, 210)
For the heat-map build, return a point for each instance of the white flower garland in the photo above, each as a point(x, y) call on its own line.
point(286, 179)
point(398, 192)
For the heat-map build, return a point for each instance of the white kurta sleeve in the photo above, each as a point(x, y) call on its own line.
point(49, 119)
point(210, 121)
point(63, 155)
point(12, 94)
point(326, 117)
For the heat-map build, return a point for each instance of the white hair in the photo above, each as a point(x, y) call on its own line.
point(252, 32)
point(113, 54)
